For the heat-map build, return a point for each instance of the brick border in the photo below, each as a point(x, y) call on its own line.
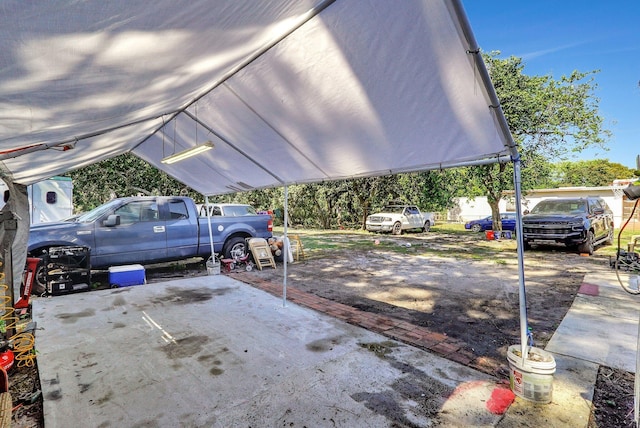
point(400, 330)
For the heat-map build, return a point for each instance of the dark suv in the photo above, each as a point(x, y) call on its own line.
point(575, 222)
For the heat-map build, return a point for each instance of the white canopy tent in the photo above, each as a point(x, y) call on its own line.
point(288, 91)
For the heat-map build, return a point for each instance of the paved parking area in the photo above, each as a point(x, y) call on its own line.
point(212, 351)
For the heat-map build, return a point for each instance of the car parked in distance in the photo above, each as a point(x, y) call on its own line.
point(581, 223)
point(508, 223)
point(398, 217)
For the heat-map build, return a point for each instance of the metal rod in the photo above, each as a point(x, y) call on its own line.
point(517, 183)
point(285, 246)
point(206, 202)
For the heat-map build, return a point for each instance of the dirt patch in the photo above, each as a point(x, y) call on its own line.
point(613, 399)
point(441, 282)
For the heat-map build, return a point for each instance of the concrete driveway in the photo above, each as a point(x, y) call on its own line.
point(214, 352)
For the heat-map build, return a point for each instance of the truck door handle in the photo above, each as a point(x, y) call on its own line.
point(158, 229)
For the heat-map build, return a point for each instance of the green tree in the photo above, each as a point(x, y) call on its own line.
point(590, 173)
point(124, 175)
point(549, 119)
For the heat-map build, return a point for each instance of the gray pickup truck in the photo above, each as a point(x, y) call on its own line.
point(144, 230)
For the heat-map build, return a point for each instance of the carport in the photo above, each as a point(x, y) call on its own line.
point(282, 93)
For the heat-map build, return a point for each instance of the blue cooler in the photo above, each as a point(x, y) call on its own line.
point(125, 276)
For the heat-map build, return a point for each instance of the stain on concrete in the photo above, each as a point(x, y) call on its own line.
point(54, 395)
point(119, 325)
point(216, 371)
point(385, 403)
point(119, 301)
point(381, 349)
point(104, 399)
point(54, 381)
point(188, 296)
point(72, 317)
point(185, 347)
point(324, 345)
point(412, 399)
point(84, 387)
point(147, 424)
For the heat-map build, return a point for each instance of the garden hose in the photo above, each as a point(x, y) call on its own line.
point(23, 351)
point(625, 287)
point(8, 320)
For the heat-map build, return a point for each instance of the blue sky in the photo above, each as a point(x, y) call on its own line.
point(557, 37)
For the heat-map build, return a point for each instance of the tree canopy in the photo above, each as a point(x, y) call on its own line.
point(589, 173)
point(549, 120)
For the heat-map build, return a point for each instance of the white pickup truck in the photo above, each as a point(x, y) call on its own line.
point(397, 218)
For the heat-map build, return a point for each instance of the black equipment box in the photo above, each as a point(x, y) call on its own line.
point(68, 269)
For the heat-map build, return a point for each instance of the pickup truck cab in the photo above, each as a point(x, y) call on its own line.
point(144, 230)
point(398, 218)
point(582, 223)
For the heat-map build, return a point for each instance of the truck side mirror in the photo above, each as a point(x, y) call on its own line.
point(112, 220)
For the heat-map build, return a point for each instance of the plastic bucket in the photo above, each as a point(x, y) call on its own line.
point(213, 266)
point(489, 234)
point(507, 234)
point(531, 379)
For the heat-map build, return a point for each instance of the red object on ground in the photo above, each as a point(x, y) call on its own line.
point(501, 399)
point(490, 235)
point(6, 359)
point(589, 289)
point(29, 276)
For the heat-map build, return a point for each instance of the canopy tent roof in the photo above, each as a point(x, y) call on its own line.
point(288, 91)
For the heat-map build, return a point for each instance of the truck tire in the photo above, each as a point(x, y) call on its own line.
point(587, 245)
point(427, 226)
point(235, 248)
point(40, 280)
point(397, 228)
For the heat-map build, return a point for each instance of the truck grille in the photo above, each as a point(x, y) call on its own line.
point(376, 219)
point(556, 229)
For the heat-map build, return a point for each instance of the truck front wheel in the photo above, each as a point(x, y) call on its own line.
point(235, 248)
point(587, 246)
point(397, 228)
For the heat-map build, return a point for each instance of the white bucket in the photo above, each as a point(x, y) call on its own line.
point(213, 266)
point(531, 379)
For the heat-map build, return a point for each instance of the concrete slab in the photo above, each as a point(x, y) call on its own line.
point(214, 352)
point(601, 326)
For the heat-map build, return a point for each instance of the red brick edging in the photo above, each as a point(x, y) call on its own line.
point(421, 337)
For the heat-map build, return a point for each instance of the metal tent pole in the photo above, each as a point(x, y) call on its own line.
point(285, 246)
point(206, 202)
point(517, 183)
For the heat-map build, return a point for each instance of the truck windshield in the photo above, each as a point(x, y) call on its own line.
point(393, 209)
point(96, 213)
point(559, 207)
